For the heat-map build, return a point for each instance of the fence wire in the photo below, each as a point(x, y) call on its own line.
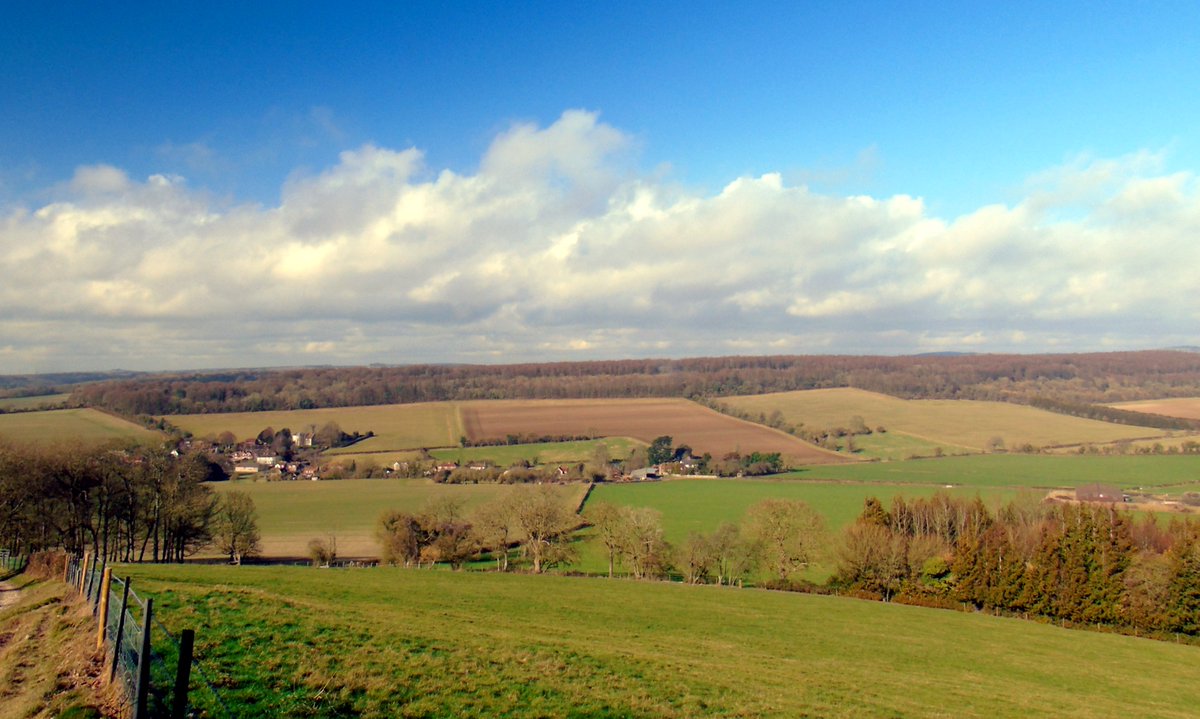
point(123, 634)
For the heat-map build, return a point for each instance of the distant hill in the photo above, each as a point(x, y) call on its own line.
point(1066, 379)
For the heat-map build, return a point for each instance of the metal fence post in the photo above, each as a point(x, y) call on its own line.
point(183, 674)
point(102, 625)
point(112, 672)
point(142, 693)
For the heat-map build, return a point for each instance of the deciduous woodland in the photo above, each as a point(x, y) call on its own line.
point(1070, 378)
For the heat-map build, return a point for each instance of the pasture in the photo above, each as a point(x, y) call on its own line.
point(36, 402)
point(396, 426)
point(703, 429)
point(1184, 407)
point(87, 426)
point(1039, 471)
point(289, 641)
point(952, 424)
point(292, 513)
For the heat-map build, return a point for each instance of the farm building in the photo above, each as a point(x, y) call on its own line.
point(1099, 493)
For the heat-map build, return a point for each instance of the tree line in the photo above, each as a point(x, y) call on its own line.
point(122, 503)
point(1073, 378)
point(1083, 564)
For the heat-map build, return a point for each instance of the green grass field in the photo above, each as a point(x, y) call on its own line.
point(1020, 470)
point(42, 400)
point(292, 642)
point(504, 455)
point(396, 426)
point(292, 513)
point(88, 426)
point(542, 453)
point(951, 423)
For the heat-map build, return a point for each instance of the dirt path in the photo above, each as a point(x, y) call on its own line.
point(8, 594)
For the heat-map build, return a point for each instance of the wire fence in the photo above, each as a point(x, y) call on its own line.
point(159, 672)
point(11, 562)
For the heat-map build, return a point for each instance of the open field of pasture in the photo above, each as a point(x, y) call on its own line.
point(1042, 471)
point(542, 452)
point(71, 425)
point(24, 403)
point(1185, 407)
point(502, 455)
point(644, 419)
point(396, 426)
point(291, 641)
point(949, 423)
point(292, 513)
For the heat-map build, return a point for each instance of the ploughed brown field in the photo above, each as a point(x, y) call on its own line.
point(702, 429)
point(1182, 407)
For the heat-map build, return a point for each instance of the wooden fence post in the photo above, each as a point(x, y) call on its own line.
point(112, 672)
point(142, 693)
point(66, 569)
point(83, 572)
point(183, 674)
point(105, 584)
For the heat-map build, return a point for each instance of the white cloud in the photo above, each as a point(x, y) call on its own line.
point(558, 247)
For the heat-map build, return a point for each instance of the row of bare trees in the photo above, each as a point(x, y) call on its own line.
point(536, 518)
point(779, 537)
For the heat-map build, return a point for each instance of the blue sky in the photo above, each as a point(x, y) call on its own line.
point(1054, 112)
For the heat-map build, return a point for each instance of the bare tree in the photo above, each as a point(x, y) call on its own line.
point(236, 526)
point(545, 524)
point(789, 533)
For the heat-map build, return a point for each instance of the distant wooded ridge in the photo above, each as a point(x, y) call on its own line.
point(1068, 379)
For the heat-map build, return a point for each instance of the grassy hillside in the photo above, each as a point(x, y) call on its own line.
point(409, 643)
point(69, 425)
point(952, 424)
point(396, 426)
point(292, 513)
point(1020, 470)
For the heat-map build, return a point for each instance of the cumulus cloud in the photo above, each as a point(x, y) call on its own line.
point(557, 247)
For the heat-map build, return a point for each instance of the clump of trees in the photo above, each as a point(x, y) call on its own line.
point(123, 503)
point(1084, 564)
point(533, 517)
point(778, 536)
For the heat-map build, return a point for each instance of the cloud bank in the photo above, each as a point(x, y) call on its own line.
point(558, 248)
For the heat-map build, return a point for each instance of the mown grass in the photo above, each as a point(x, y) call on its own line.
point(292, 513)
point(894, 445)
point(1020, 470)
point(301, 642)
point(71, 425)
point(952, 423)
point(396, 426)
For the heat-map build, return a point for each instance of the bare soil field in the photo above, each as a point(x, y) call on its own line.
point(686, 422)
point(1183, 407)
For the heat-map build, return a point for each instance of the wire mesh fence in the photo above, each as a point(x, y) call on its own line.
point(157, 669)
